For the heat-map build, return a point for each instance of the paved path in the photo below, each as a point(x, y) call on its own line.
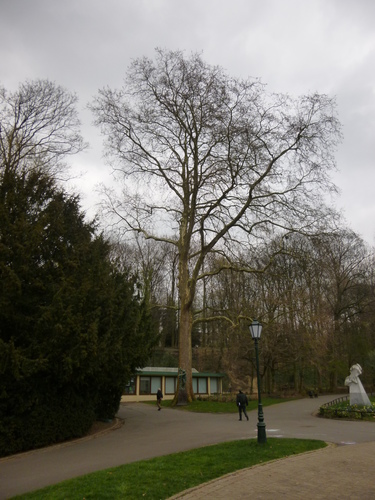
point(147, 433)
point(343, 472)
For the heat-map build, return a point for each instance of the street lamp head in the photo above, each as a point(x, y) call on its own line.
point(255, 329)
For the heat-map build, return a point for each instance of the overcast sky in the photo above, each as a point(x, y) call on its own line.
point(294, 46)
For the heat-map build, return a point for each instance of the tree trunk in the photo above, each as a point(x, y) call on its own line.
point(333, 379)
point(185, 355)
point(185, 393)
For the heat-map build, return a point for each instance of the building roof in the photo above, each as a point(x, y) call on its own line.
point(166, 371)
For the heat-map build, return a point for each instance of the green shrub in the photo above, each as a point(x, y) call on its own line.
point(72, 330)
point(52, 421)
point(345, 410)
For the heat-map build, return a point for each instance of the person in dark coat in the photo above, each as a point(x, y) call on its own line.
point(159, 397)
point(242, 402)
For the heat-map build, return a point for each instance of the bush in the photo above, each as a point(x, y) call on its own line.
point(53, 421)
point(72, 330)
point(347, 411)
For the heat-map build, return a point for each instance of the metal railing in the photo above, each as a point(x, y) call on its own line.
point(336, 401)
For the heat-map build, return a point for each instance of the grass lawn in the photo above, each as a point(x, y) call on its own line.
point(162, 477)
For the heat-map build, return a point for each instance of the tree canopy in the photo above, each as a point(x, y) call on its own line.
point(73, 325)
point(39, 125)
point(212, 164)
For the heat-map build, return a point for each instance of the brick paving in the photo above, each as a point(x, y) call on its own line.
point(337, 472)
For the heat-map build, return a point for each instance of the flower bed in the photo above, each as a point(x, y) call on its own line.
point(347, 411)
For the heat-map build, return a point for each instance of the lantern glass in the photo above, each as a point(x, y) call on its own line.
point(255, 329)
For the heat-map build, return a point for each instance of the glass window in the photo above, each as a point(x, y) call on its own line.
point(170, 385)
point(155, 384)
point(214, 385)
point(144, 385)
point(130, 387)
point(195, 388)
point(202, 386)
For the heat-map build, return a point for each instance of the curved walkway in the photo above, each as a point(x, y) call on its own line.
point(344, 471)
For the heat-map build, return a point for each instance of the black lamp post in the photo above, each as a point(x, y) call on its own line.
point(256, 330)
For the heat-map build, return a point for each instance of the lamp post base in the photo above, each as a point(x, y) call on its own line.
point(262, 438)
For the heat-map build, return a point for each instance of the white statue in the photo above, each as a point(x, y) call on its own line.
point(358, 394)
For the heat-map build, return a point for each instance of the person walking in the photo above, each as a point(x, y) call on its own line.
point(242, 402)
point(159, 397)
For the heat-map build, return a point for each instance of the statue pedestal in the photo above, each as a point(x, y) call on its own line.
point(358, 395)
point(182, 398)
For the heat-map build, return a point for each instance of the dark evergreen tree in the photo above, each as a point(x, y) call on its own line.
point(72, 328)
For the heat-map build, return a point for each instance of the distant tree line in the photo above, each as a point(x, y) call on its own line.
point(315, 299)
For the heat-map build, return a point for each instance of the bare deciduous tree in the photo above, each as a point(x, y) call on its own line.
point(39, 126)
point(212, 163)
point(345, 262)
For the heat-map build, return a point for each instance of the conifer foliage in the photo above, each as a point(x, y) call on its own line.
point(72, 328)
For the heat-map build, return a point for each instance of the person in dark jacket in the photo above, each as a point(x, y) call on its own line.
point(159, 397)
point(242, 402)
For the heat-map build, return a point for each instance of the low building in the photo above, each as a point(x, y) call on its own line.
point(145, 383)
